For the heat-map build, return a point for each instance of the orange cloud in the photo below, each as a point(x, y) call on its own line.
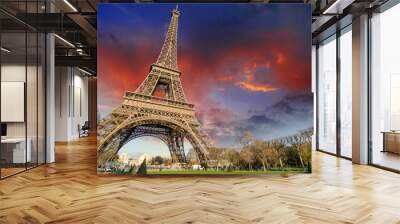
point(202, 74)
point(249, 70)
point(280, 58)
point(256, 87)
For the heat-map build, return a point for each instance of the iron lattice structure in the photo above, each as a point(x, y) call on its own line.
point(168, 118)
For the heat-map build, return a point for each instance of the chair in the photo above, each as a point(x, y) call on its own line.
point(84, 130)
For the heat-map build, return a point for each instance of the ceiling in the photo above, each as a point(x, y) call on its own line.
point(75, 22)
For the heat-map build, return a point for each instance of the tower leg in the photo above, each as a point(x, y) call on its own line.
point(180, 148)
point(176, 147)
point(172, 148)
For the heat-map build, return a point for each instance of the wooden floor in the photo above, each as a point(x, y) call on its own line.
point(70, 191)
point(5, 172)
point(387, 159)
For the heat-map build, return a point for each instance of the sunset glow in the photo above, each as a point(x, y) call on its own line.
point(244, 67)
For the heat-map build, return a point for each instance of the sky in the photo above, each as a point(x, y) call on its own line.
point(245, 67)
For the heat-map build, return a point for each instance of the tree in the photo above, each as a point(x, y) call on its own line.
point(309, 168)
point(306, 153)
point(258, 147)
point(246, 139)
point(216, 154)
point(230, 168)
point(233, 157)
point(307, 135)
point(142, 168)
point(248, 156)
point(279, 145)
point(158, 160)
point(296, 141)
point(292, 157)
point(132, 169)
point(167, 161)
point(268, 156)
point(306, 147)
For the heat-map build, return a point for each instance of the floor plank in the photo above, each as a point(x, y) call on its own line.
point(70, 191)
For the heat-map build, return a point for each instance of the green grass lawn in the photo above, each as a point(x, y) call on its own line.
point(221, 172)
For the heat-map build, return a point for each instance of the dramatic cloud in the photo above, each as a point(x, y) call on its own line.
point(253, 87)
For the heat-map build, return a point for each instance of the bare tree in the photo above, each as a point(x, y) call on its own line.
point(248, 156)
point(279, 145)
point(233, 157)
point(216, 154)
point(273, 157)
point(306, 149)
point(296, 141)
point(307, 135)
point(260, 150)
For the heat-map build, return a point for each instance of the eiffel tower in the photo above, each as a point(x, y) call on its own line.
point(143, 113)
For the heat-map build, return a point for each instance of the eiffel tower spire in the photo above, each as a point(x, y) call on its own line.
point(168, 54)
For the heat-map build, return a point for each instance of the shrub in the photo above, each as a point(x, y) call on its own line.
point(205, 166)
point(309, 167)
point(142, 168)
point(132, 170)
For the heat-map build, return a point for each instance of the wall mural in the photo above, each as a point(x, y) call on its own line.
point(204, 89)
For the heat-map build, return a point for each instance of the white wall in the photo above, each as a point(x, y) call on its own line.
point(33, 126)
point(71, 102)
point(61, 103)
point(80, 110)
point(16, 73)
point(12, 73)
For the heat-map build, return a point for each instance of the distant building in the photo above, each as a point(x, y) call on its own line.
point(145, 156)
point(197, 167)
point(134, 162)
point(124, 158)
